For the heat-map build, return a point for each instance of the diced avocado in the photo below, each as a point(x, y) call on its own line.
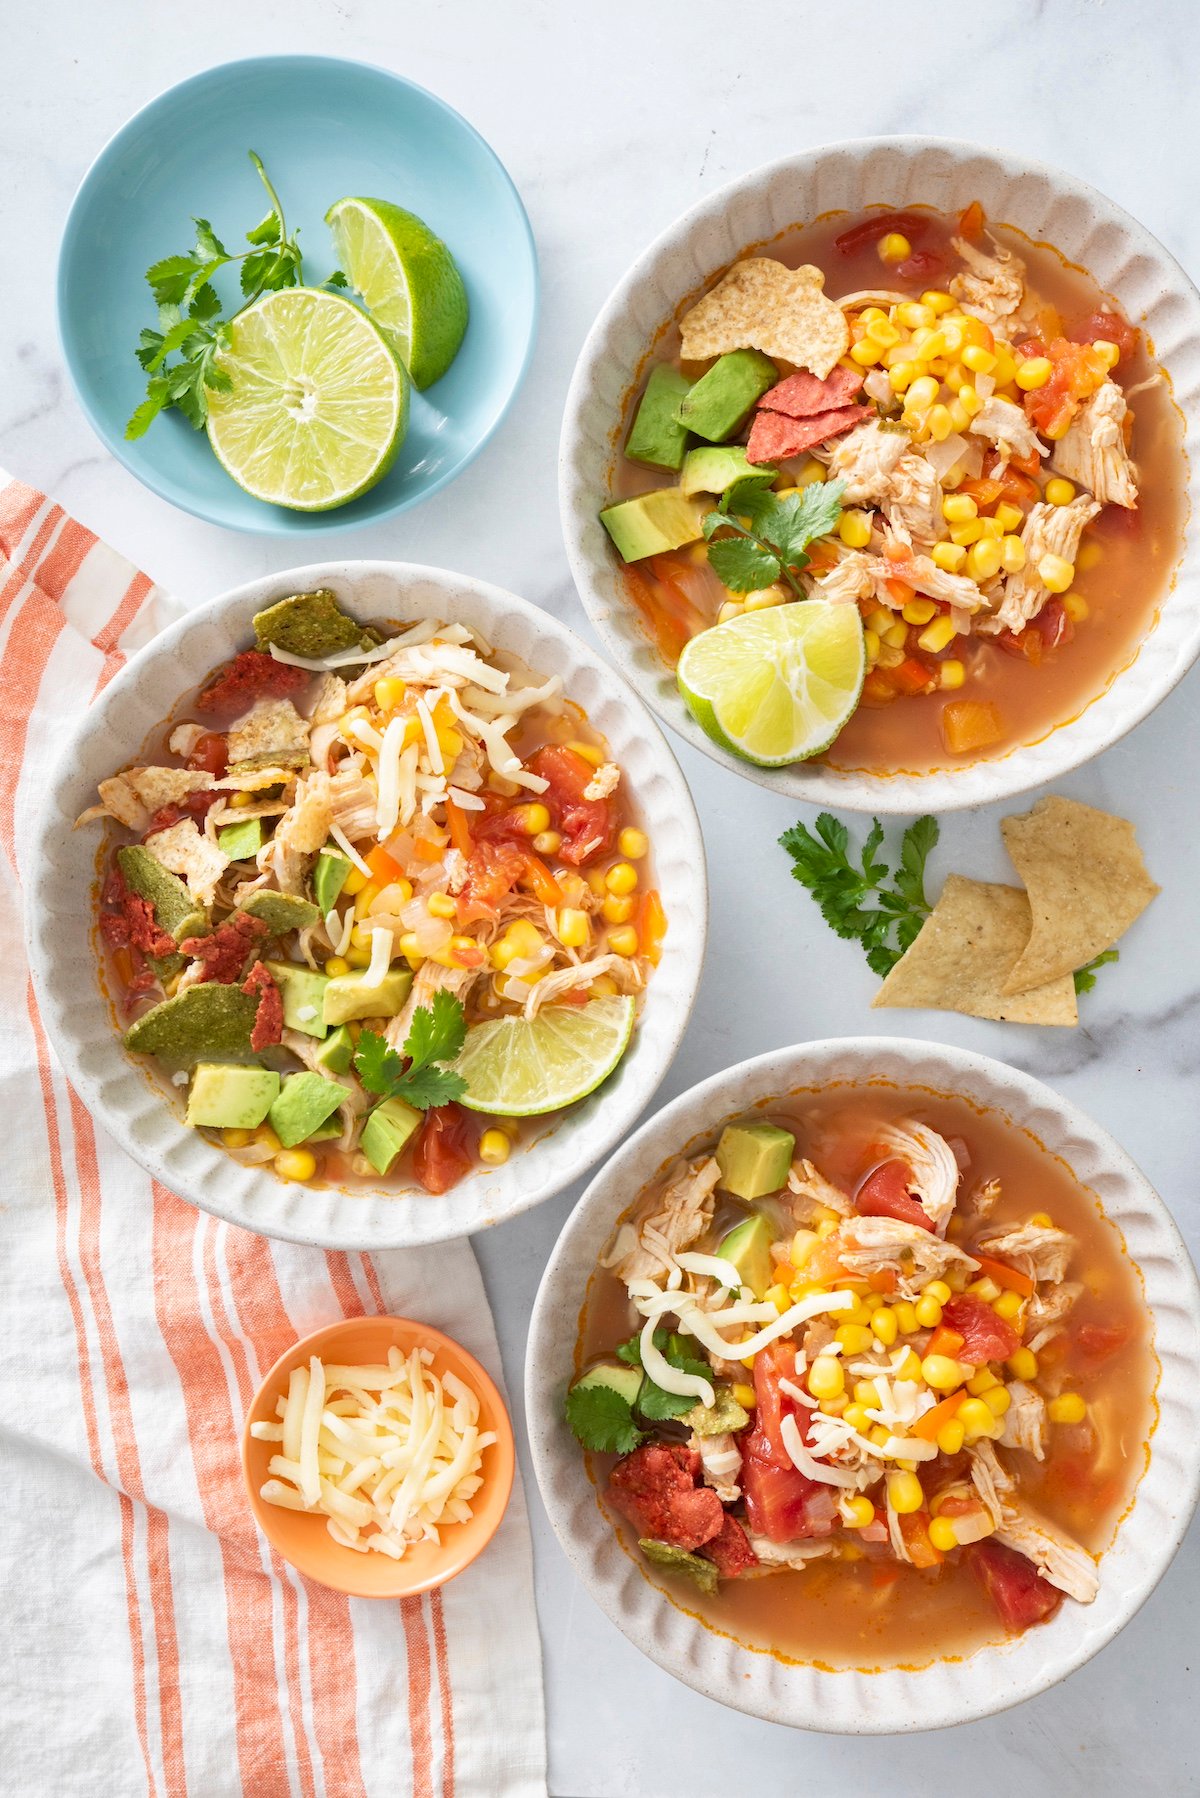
point(615, 1375)
point(302, 990)
point(303, 1104)
point(309, 624)
point(210, 1022)
point(716, 1419)
point(721, 399)
point(329, 877)
point(657, 439)
point(348, 996)
point(716, 466)
point(280, 912)
point(387, 1129)
point(327, 1131)
point(653, 523)
point(754, 1159)
point(174, 908)
point(337, 1051)
point(678, 1560)
point(241, 842)
point(225, 1097)
point(748, 1248)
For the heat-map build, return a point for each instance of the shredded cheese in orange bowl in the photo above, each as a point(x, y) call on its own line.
point(378, 1457)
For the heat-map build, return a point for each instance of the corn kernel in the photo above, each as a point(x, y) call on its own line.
point(878, 1434)
point(906, 1317)
point(950, 1437)
point(1008, 1306)
point(410, 948)
point(623, 941)
point(1108, 352)
point(336, 966)
point(922, 393)
point(937, 300)
point(908, 1367)
point(854, 1338)
point(971, 532)
point(873, 1301)
point(1076, 607)
point(1006, 366)
point(354, 882)
point(901, 375)
point(1059, 491)
point(952, 674)
point(918, 611)
point(913, 315)
point(621, 879)
point(958, 507)
point(929, 1311)
point(997, 1399)
point(779, 1296)
point(295, 1164)
point(617, 910)
point(939, 634)
point(949, 556)
point(365, 898)
point(940, 423)
point(236, 1139)
point(1008, 516)
point(547, 842)
point(976, 1418)
point(929, 348)
point(358, 957)
point(1033, 373)
point(1012, 555)
point(953, 337)
point(904, 1493)
point(590, 752)
point(981, 1382)
point(833, 1407)
point(1024, 1363)
point(730, 608)
point(573, 928)
point(494, 1148)
point(969, 400)
point(894, 247)
point(866, 1392)
point(745, 1396)
point(937, 1289)
point(826, 1378)
point(896, 634)
point(634, 844)
point(827, 1228)
point(884, 1326)
point(1055, 573)
point(1068, 1407)
point(857, 1417)
point(866, 353)
point(882, 331)
point(764, 599)
point(239, 801)
point(871, 645)
point(389, 692)
point(960, 416)
point(441, 905)
point(854, 529)
point(942, 1373)
point(857, 1512)
point(812, 474)
point(1042, 1219)
point(985, 1288)
point(941, 1534)
point(992, 528)
point(978, 360)
point(984, 559)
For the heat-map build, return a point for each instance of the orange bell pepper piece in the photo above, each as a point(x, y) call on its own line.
point(928, 1425)
point(460, 835)
point(945, 1342)
point(383, 866)
point(651, 926)
point(541, 883)
point(1003, 1275)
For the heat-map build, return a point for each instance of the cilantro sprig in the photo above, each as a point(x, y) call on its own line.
point(765, 535)
point(436, 1034)
point(190, 326)
point(1085, 977)
point(859, 896)
point(601, 1420)
point(652, 1401)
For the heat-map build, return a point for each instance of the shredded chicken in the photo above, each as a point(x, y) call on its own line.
point(645, 1250)
point(720, 1464)
point(914, 1255)
point(604, 781)
point(851, 578)
point(866, 459)
point(923, 573)
point(1038, 1250)
point(993, 287)
point(933, 1170)
point(1003, 423)
point(1047, 1309)
point(1056, 1555)
point(796, 1555)
point(352, 800)
point(300, 833)
point(991, 1480)
point(810, 1191)
point(1093, 452)
point(1048, 530)
point(981, 1200)
point(1025, 1420)
point(912, 503)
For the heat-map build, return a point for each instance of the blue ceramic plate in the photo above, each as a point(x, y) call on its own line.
point(325, 129)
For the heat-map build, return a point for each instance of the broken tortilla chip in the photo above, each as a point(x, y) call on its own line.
point(963, 955)
point(763, 305)
point(1086, 882)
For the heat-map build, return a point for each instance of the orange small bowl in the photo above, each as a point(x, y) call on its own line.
point(304, 1540)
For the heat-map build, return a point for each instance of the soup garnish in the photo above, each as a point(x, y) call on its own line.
point(863, 1352)
point(972, 414)
point(373, 885)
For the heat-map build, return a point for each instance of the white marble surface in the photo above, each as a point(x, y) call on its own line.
point(612, 120)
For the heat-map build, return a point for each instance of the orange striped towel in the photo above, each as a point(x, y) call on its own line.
point(153, 1643)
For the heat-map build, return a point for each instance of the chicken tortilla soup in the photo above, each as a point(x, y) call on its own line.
point(882, 1348)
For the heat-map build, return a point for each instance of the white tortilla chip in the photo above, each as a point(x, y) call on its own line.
point(763, 305)
point(272, 727)
point(182, 850)
point(134, 796)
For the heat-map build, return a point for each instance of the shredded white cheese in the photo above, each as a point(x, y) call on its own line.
point(347, 848)
point(805, 1462)
point(381, 956)
point(387, 805)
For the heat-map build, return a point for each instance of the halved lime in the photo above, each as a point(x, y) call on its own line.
point(776, 686)
point(518, 1067)
point(408, 279)
point(317, 405)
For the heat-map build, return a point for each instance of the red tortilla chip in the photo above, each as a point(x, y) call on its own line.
point(774, 436)
point(803, 396)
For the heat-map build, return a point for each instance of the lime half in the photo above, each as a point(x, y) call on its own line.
point(518, 1067)
point(776, 686)
point(317, 405)
point(407, 278)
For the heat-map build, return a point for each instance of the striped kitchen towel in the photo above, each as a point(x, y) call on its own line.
point(153, 1643)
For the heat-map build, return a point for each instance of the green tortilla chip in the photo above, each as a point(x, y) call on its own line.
point(678, 1560)
point(203, 1023)
point(308, 624)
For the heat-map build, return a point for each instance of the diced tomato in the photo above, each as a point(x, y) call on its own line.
point(657, 1488)
point(914, 1529)
point(249, 676)
point(1093, 1344)
point(193, 805)
point(1078, 371)
point(884, 1193)
point(923, 265)
point(1014, 486)
point(674, 614)
point(781, 1503)
point(587, 826)
point(208, 754)
point(1014, 1585)
point(492, 872)
point(986, 1337)
point(971, 221)
point(912, 225)
point(730, 1550)
point(1106, 327)
point(268, 1019)
point(445, 1149)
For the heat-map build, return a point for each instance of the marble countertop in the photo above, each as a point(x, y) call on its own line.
point(612, 120)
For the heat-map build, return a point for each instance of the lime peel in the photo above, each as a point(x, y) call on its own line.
point(523, 1067)
point(407, 279)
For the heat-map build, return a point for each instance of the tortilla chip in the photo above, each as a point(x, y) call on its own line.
point(1086, 882)
point(763, 305)
point(963, 956)
point(196, 859)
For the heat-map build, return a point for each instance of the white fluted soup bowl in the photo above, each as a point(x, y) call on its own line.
point(956, 1690)
point(145, 1113)
point(1045, 203)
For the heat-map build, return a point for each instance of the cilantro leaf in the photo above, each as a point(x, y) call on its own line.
point(209, 247)
point(148, 411)
point(853, 895)
point(766, 533)
point(436, 1034)
point(337, 279)
point(796, 518)
point(742, 565)
point(170, 278)
point(377, 1066)
point(431, 1086)
point(652, 1401)
point(1085, 977)
point(602, 1420)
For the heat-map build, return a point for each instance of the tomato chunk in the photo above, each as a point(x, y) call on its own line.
point(912, 225)
point(1014, 1585)
point(444, 1150)
point(208, 754)
point(986, 1337)
point(782, 1503)
point(885, 1193)
point(587, 825)
point(1093, 1344)
point(1106, 327)
point(492, 872)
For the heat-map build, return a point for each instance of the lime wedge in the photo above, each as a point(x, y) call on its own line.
point(776, 686)
point(518, 1067)
point(407, 278)
point(317, 404)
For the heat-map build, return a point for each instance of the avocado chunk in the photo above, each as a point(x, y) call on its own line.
point(241, 842)
point(748, 1248)
point(715, 1419)
point(678, 1560)
point(327, 1131)
point(716, 466)
point(387, 1129)
point(721, 400)
point(309, 624)
point(653, 522)
point(754, 1159)
point(615, 1376)
point(337, 1051)
point(302, 990)
point(329, 877)
point(222, 1097)
point(657, 439)
point(348, 996)
point(280, 912)
point(203, 1023)
point(175, 911)
point(304, 1102)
